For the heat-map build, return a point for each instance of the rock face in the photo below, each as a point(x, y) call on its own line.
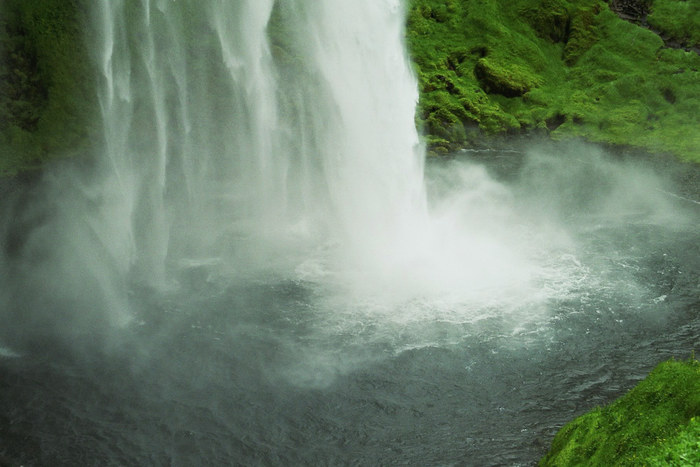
point(635, 10)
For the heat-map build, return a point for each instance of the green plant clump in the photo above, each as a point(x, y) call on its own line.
point(679, 19)
point(564, 68)
point(46, 82)
point(656, 423)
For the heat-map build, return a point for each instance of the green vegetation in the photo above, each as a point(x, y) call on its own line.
point(656, 423)
point(46, 82)
point(566, 68)
point(679, 19)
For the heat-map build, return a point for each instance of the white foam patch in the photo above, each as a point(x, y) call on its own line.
point(6, 352)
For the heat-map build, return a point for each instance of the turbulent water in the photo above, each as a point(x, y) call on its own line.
point(258, 269)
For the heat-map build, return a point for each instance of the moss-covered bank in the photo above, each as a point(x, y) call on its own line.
point(566, 68)
point(47, 91)
point(656, 423)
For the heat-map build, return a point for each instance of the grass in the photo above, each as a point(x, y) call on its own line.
point(565, 68)
point(656, 423)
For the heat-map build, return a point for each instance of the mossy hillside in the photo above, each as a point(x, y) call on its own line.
point(46, 82)
point(679, 19)
point(568, 68)
point(656, 423)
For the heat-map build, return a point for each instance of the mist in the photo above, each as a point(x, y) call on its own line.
point(493, 245)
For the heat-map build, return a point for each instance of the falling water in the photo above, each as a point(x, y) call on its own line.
point(274, 139)
point(255, 120)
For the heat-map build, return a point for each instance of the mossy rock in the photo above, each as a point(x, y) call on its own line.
point(445, 125)
point(506, 79)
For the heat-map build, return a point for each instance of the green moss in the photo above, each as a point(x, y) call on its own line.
point(507, 79)
point(583, 34)
point(47, 85)
point(462, 73)
point(549, 18)
point(655, 421)
point(571, 68)
point(679, 19)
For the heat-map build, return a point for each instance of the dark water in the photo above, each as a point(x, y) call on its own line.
point(263, 370)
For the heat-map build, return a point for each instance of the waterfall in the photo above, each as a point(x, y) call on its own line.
point(255, 118)
point(260, 139)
